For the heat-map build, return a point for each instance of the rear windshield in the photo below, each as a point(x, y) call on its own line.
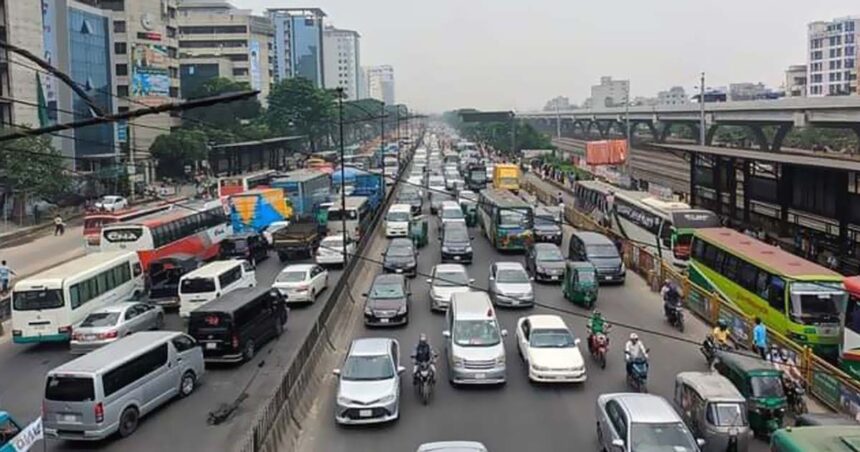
point(234, 245)
point(97, 319)
point(34, 300)
point(197, 285)
point(69, 389)
point(208, 322)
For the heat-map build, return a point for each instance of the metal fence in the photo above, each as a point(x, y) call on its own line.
point(5, 308)
point(827, 383)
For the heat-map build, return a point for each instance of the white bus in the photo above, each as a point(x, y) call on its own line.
point(46, 306)
point(664, 227)
point(357, 215)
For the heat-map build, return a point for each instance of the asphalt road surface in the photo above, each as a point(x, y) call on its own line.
point(518, 416)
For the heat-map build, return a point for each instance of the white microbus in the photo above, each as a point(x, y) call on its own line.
point(356, 215)
point(46, 306)
point(212, 281)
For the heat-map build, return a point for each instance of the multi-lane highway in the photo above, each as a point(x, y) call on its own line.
point(518, 416)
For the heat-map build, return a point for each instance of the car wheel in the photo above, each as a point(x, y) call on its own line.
point(128, 422)
point(249, 350)
point(187, 384)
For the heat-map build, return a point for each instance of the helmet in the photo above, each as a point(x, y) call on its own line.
point(422, 337)
point(634, 337)
point(783, 352)
point(723, 324)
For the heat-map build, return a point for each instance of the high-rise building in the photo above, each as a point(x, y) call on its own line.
point(218, 40)
point(298, 44)
point(380, 83)
point(832, 64)
point(558, 103)
point(342, 60)
point(795, 80)
point(363, 89)
point(674, 96)
point(609, 93)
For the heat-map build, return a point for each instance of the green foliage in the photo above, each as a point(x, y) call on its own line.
point(297, 106)
point(31, 165)
point(229, 115)
point(498, 134)
point(177, 149)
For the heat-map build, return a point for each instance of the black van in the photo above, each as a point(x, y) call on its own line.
point(245, 245)
point(601, 252)
point(232, 327)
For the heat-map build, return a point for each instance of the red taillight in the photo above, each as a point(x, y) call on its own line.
point(77, 336)
point(65, 330)
point(99, 411)
point(108, 335)
point(235, 341)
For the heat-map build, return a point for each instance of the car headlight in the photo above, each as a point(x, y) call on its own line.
point(540, 368)
point(623, 268)
point(343, 400)
point(445, 249)
point(529, 296)
point(402, 309)
point(459, 362)
point(468, 249)
point(388, 399)
point(500, 360)
point(541, 269)
point(368, 311)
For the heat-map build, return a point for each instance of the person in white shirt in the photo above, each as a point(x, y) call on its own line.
point(634, 349)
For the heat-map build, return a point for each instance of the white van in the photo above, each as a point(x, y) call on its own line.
point(397, 220)
point(474, 340)
point(213, 280)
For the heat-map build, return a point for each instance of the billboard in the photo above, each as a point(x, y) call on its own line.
point(254, 63)
point(150, 78)
point(49, 43)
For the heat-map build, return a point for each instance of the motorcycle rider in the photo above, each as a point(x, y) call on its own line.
point(720, 333)
point(423, 354)
point(671, 298)
point(634, 349)
point(596, 325)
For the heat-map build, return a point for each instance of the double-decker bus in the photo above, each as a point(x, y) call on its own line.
point(506, 219)
point(665, 228)
point(187, 230)
point(795, 297)
point(230, 185)
point(95, 221)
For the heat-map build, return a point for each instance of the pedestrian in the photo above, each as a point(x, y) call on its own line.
point(59, 225)
point(760, 338)
point(832, 261)
point(5, 275)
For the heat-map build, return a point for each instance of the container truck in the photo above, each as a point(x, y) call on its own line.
point(307, 190)
point(256, 209)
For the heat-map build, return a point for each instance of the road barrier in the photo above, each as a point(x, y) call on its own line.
point(826, 382)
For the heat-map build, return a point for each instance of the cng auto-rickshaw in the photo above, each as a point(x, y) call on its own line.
point(418, 231)
point(580, 283)
point(714, 410)
point(761, 383)
point(470, 211)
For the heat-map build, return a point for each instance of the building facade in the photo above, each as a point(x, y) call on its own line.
point(609, 93)
point(342, 60)
point(218, 40)
point(674, 96)
point(558, 103)
point(298, 44)
point(380, 83)
point(751, 91)
point(832, 64)
point(795, 80)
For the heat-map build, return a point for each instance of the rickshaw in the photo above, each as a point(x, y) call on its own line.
point(580, 283)
point(470, 211)
point(761, 383)
point(714, 410)
point(418, 231)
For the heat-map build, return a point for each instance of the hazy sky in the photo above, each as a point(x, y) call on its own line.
point(517, 54)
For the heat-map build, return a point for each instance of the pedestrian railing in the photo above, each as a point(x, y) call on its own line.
point(826, 382)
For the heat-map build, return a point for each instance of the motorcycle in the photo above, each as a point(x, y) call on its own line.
point(598, 345)
point(709, 349)
point(637, 374)
point(675, 315)
point(794, 393)
point(424, 379)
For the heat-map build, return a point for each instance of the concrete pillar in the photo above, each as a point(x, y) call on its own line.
point(693, 157)
point(717, 171)
point(709, 134)
point(732, 187)
point(783, 184)
point(842, 210)
point(759, 137)
point(747, 187)
point(781, 133)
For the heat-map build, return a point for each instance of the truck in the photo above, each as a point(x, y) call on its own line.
point(307, 190)
point(300, 239)
point(506, 176)
point(254, 210)
point(361, 183)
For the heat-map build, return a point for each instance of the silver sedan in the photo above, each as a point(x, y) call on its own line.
point(110, 323)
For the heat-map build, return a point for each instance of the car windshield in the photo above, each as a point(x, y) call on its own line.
point(479, 333)
point(98, 319)
point(602, 251)
point(661, 437)
point(452, 213)
point(367, 368)
point(725, 414)
point(512, 275)
point(450, 279)
point(813, 302)
point(478, 175)
point(456, 235)
point(436, 181)
point(386, 291)
point(35, 300)
point(509, 218)
point(197, 285)
point(400, 251)
point(551, 338)
point(398, 216)
point(409, 195)
point(292, 276)
point(550, 254)
point(767, 386)
point(544, 220)
point(332, 244)
point(234, 245)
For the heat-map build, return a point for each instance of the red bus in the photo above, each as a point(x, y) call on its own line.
point(95, 221)
point(230, 185)
point(186, 230)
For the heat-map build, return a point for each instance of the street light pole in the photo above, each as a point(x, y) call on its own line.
point(557, 120)
point(342, 173)
point(627, 133)
point(382, 145)
point(702, 111)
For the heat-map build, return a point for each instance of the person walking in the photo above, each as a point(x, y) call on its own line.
point(760, 338)
point(5, 276)
point(59, 225)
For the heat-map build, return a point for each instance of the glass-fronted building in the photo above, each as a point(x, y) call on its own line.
point(298, 44)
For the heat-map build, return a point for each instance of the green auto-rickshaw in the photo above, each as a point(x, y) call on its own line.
point(470, 211)
point(580, 283)
point(761, 383)
point(418, 231)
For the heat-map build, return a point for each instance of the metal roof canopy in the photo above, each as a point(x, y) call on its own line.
point(773, 157)
point(276, 140)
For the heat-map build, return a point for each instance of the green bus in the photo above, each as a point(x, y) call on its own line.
point(831, 438)
point(795, 297)
point(506, 219)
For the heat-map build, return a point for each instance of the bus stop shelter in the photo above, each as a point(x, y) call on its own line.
point(271, 153)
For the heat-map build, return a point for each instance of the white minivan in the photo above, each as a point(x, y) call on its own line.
point(397, 220)
point(473, 341)
point(213, 280)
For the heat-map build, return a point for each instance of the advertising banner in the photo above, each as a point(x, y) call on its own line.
point(254, 63)
point(24, 440)
point(150, 78)
point(49, 43)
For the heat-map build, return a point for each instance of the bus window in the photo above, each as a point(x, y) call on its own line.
point(761, 287)
point(777, 293)
point(852, 314)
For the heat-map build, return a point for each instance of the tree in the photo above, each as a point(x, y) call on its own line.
point(498, 134)
point(30, 167)
point(297, 106)
point(177, 149)
point(228, 115)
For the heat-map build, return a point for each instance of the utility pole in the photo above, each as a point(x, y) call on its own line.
point(342, 173)
point(627, 131)
point(382, 146)
point(513, 134)
point(129, 137)
point(557, 120)
point(702, 111)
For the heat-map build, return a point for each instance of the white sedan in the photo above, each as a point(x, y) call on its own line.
point(111, 203)
point(301, 282)
point(549, 350)
point(330, 251)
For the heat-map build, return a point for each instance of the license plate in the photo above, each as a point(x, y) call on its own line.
point(607, 278)
point(515, 302)
point(480, 376)
point(68, 418)
point(399, 270)
point(383, 320)
point(211, 346)
point(38, 327)
point(555, 278)
point(456, 258)
point(89, 337)
point(365, 413)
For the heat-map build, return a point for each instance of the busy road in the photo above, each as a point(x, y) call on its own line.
point(518, 415)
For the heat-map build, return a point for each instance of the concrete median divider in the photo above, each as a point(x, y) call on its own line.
point(827, 383)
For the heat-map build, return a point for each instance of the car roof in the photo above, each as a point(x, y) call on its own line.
point(107, 356)
point(213, 269)
point(400, 207)
point(450, 268)
point(117, 307)
point(643, 407)
point(371, 346)
point(298, 268)
point(474, 305)
point(452, 446)
point(540, 321)
point(400, 241)
point(546, 247)
point(509, 265)
point(448, 204)
point(593, 238)
point(710, 385)
point(232, 301)
point(389, 278)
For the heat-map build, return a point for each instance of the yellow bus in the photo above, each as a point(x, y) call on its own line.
point(506, 176)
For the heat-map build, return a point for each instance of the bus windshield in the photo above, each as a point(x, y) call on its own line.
point(36, 300)
point(814, 302)
point(336, 215)
point(509, 218)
